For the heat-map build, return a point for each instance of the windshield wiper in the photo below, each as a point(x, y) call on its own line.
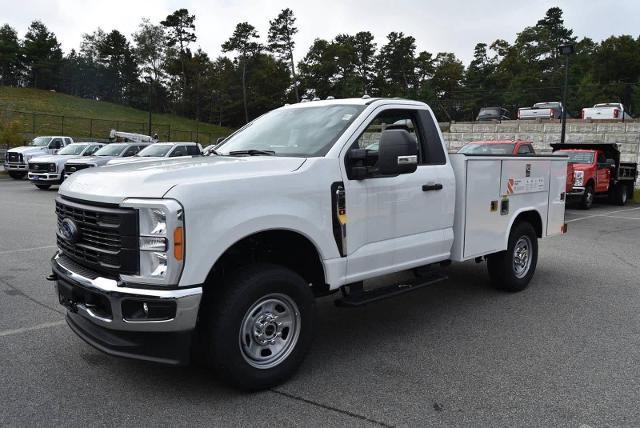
point(252, 152)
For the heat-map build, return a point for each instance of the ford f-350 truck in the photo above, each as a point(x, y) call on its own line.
point(16, 161)
point(219, 258)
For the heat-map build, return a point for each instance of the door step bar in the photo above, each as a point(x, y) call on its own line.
point(355, 295)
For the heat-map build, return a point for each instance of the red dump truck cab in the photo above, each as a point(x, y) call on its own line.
point(597, 171)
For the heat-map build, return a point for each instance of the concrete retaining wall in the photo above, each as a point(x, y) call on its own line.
point(627, 135)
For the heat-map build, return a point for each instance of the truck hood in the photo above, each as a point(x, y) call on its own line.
point(25, 150)
point(581, 167)
point(99, 160)
point(153, 179)
point(54, 158)
point(132, 159)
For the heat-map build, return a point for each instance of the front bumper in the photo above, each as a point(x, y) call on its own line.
point(576, 191)
point(11, 166)
point(44, 177)
point(102, 311)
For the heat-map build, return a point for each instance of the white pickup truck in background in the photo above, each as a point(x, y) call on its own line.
point(611, 111)
point(17, 159)
point(547, 110)
point(221, 256)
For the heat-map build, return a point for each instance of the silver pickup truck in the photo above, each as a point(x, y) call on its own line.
point(104, 155)
point(547, 110)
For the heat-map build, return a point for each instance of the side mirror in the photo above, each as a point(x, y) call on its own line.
point(398, 153)
point(611, 163)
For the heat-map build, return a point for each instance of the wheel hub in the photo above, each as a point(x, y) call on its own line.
point(521, 257)
point(269, 331)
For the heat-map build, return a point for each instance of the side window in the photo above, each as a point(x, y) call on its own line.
point(524, 149)
point(56, 143)
point(179, 151)
point(67, 140)
point(91, 150)
point(131, 151)
point(389, 119)
point(193, 150)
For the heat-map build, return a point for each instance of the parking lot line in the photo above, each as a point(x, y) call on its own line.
point(35, 327)
point(603, 214)
point(28, 249)
point(620, 217)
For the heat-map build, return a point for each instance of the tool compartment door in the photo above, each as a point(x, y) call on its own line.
point(557, 197)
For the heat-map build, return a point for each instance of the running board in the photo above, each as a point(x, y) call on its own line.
point(357, 296)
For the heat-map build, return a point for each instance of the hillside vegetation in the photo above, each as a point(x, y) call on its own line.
point(43, 112)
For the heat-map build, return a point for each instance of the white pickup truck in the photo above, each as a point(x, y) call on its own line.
point(221, 257)
point(610, 111)
point(17, 159)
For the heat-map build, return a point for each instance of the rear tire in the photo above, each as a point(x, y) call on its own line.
point(43, 186)
point(621, 193)
point(17, 175)
point(256, 332)
point(512, 270)
point(587, 198)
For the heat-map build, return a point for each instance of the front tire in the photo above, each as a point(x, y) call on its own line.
point(17, 175)
point(257, 331)
point(512, 270)
point(587, 198)
point(43, 186)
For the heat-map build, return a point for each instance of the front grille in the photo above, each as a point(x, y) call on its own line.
point(41, 167)
point(73, 167)
point(108, 237)
point(13, 157)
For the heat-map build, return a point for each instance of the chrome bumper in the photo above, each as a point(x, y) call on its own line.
point(44, 177)
point(576, 191)
point(71, 276)
point(15, 166)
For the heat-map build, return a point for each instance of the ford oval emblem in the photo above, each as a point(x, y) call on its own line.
point(69, 230)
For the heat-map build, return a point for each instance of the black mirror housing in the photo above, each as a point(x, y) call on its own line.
point(398, 153)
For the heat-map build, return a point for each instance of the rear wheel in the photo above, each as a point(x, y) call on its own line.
point(621, 193)
point(258, 330)
point(513, 269)
point(43, 186)
point(17, 175)
point(587, 198)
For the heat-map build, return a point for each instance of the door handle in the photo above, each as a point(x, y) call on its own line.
point(429, 187)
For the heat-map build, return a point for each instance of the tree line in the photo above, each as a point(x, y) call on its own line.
point(158, 67)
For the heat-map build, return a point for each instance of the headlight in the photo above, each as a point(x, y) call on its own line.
point(52, 167)
point(161, 241)
point(578, 178)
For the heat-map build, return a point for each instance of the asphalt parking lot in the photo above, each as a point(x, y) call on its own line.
point(565, 352)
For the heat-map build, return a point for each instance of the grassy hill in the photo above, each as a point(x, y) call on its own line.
point(44, 112)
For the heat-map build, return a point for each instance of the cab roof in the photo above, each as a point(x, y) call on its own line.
point(501, 142)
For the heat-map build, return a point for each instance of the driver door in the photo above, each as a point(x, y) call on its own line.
point(602, 173)
point(399, 222)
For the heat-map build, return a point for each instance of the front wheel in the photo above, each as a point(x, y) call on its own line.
point(587, 197)
point(257, 331)
point(512, 270)
point(621, 194)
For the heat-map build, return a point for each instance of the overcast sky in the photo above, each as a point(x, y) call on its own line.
point(453, 26)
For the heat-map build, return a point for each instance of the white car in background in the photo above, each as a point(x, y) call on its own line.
point(45, 171)
point(104, 155)
point(162, 150)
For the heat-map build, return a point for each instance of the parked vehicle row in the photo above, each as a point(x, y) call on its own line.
point(221, 257)
point(49, 160)
point(553, 110)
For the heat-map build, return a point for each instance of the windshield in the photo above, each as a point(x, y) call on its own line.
point(488, 149)
point(111, 150)
point(73, 149)
point(155, 150)
point(306, 132)
point(40, 141)
point(578, 157)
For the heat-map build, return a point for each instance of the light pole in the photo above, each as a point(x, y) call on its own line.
point(565, 50)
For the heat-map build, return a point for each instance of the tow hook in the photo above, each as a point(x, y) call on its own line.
point(52, 277)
